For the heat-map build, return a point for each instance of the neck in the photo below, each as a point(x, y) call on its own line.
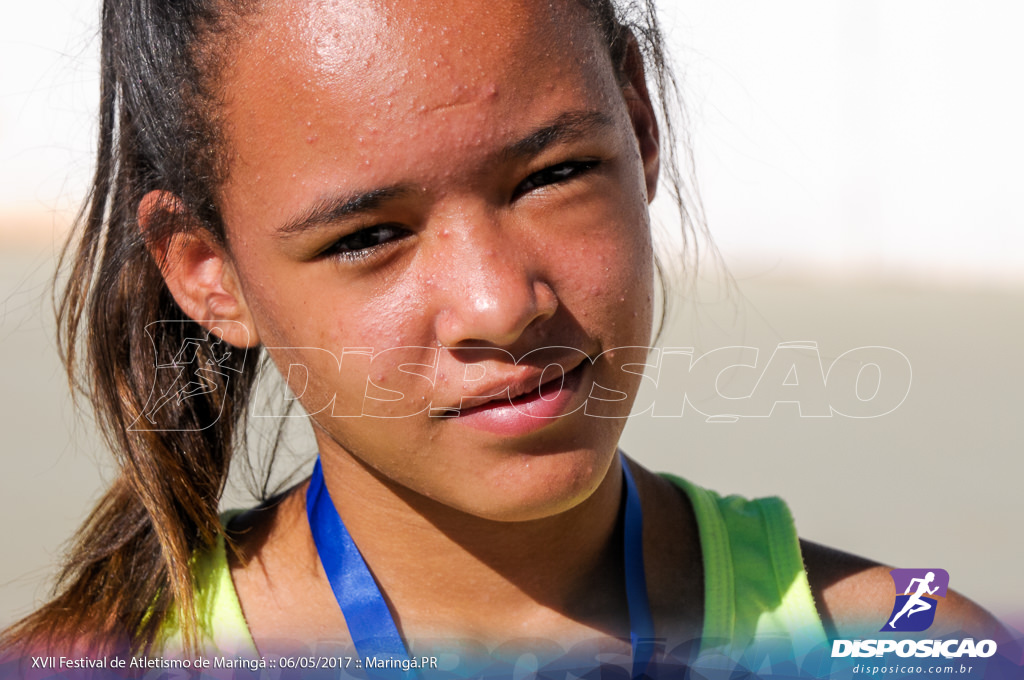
point(447, 572)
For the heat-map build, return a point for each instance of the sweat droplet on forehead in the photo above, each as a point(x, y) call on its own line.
point(385, 93)
point(379, 54)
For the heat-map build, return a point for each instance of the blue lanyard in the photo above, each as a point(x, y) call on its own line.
point(366, 613)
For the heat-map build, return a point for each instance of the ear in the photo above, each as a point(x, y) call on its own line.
point(641, 112)
point(196, 268)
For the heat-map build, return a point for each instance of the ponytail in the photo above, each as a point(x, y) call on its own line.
point(129, 566)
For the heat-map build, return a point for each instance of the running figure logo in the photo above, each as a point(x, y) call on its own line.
point(202, 378)
point(199, 366)
point(914, 610)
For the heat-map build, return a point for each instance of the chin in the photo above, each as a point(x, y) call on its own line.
point(533, 487)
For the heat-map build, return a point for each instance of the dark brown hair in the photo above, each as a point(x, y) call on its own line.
point(129, 567)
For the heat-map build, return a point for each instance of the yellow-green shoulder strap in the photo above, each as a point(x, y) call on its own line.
point(222, 626)
point(755, 584)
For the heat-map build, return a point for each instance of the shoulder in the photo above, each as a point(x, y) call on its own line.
point(745, 556)
point(852, 595)
point(855, 596)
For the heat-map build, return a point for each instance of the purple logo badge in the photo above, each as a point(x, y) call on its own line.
point(917, 593)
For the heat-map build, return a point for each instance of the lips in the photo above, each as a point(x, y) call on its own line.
point(521, 410)
point(520, 392)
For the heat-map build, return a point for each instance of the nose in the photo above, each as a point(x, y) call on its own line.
point(495, 289)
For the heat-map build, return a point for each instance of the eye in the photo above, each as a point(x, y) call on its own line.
point(363, 243)
point(555, 174)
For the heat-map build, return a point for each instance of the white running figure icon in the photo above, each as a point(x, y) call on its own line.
point(201, 380)
point(916, 603)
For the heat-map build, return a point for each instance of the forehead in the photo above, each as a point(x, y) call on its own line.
point(389, 43)
point(328, 95)
point(377, 59)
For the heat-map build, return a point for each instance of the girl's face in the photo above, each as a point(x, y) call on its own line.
point(464, 185)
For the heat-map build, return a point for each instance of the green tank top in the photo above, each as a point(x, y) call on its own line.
point(756, 591)
point(755, 585)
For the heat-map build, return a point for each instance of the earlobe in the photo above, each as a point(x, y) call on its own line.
point(641, 112)
point(196, 268)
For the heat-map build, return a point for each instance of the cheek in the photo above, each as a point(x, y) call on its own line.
point(608, 274)
point(315, 305)
point(344, 355)
point(352, 385)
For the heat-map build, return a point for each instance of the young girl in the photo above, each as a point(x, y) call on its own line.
point(432, 218)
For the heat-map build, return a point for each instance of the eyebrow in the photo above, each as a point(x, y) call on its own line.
point(567, 127)
point(329, 210)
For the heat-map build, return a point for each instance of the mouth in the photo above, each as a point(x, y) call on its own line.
point(521, 410)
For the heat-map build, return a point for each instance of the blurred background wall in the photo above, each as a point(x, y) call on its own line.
point(860, 168)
